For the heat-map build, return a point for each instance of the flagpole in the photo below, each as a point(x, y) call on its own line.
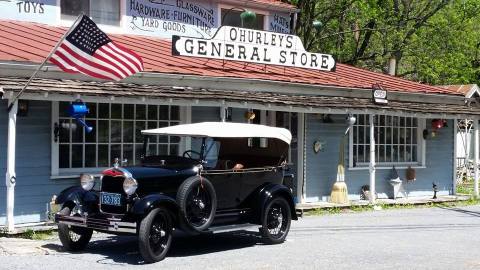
point(10, 106)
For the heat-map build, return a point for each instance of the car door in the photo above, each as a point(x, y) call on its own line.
point(227, 186)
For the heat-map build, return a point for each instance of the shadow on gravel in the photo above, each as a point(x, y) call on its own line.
point(124, 250)
point(463, 211)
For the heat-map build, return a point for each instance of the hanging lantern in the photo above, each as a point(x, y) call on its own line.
point(248, 18)
point(438, 124)
point(250, 115)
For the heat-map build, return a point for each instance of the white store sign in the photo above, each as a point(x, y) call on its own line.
point(164, 18)
point(254, 46)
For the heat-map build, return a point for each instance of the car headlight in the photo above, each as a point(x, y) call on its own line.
point(130, 185)
point(87, 181)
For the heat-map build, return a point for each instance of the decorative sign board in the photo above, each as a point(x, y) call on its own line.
point(248, 45)
point(43, 11)
point(164, 18)
point(380, 96)
point(279, 22)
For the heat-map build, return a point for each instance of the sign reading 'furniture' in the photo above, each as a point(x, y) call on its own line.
point(247, 45)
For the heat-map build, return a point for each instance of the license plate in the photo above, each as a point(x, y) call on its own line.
point(110, 198)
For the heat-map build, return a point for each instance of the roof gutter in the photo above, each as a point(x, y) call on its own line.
point(15, 69)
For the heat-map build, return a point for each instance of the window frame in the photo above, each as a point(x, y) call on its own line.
point(265, 13)
point(58, 173)
point(105, 27)
point(421, 149)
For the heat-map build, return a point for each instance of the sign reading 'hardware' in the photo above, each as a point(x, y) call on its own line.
point(247, 45)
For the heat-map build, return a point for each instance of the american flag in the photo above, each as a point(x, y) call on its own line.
point(88, 50)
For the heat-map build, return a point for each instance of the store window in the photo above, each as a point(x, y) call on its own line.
point(101, 11)
point(116, 134)
point(231, 17)
point(396, 138)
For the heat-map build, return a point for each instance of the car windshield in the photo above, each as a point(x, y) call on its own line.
point(153, 152)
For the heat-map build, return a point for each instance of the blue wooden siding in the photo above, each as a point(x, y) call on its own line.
point(321, 168)
point(34, 187)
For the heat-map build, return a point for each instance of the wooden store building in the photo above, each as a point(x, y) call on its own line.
point(197, 71)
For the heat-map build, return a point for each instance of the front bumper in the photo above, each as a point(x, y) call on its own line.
point(107, 224)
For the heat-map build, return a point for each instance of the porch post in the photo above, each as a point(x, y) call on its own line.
point(455, 163)
point(475, 154)
point(372, 159)
point(301, 185)
point(10, 178)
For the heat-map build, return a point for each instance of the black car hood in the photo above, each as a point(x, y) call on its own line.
point(140, 172)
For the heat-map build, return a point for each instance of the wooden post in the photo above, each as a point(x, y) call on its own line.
point(372, 159)
point(301, 186)
point(475, 154)
point(10, 178)
point(455, 165)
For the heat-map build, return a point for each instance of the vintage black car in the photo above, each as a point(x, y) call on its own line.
point(232, 175)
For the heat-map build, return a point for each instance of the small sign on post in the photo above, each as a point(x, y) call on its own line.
point(379, 94)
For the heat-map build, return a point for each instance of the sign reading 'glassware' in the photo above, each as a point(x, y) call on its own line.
point(248, 45)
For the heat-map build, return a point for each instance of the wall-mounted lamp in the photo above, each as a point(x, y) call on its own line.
point(22, 107)
point(351, 119)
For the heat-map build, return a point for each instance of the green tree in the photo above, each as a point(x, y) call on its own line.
point(434, 41)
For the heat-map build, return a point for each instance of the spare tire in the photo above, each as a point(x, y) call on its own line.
point(197, 201)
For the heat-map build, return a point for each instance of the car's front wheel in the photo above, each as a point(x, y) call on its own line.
point(155, 235)
point(276, 221)
point(73, 238)
point(197, 201)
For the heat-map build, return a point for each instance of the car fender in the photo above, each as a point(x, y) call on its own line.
point(73, 194)
point(146, 204)
point(269, 191)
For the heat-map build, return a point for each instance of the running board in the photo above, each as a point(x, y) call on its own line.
point(234, 227)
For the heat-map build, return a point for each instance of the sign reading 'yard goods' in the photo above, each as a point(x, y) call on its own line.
point(166, 17)
point(247, 45)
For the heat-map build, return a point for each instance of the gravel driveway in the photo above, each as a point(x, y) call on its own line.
point(429, 238)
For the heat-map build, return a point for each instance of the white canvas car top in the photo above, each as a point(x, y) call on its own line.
point(223, 130)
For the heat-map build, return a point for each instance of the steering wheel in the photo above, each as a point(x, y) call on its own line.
point(188, 154)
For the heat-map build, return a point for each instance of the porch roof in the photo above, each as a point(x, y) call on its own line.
point(218, 97)
point(31, 43)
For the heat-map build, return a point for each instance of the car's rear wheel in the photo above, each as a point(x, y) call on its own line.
point(197, 201)
point(155, 235)
point(276, 221)
point(73, 238)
